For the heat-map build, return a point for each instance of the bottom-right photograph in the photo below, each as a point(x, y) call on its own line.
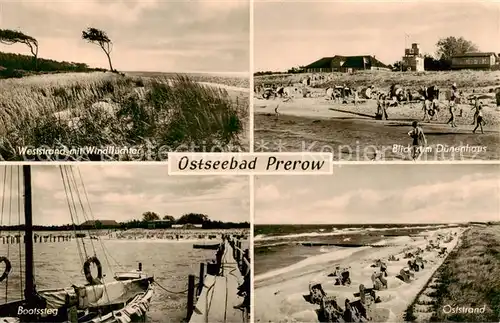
point(382, 243)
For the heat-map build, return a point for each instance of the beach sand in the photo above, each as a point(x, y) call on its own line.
point(317, 124)
point(279, 296)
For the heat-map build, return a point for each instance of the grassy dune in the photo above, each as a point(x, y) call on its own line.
point(227, 79)
point(465, 79)
point(468, 278)
point(152, 114)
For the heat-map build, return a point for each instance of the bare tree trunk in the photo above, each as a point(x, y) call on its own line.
point(110, 65)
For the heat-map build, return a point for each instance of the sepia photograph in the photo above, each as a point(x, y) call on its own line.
point(381, 243)
point(120, 244)
point(388, 80)
point(123, 80)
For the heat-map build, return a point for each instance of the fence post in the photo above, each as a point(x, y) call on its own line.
point(246, 255)
point(190, 300)
point(202, 278)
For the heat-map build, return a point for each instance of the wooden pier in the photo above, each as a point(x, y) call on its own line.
point(216, 296)
point(16, 239)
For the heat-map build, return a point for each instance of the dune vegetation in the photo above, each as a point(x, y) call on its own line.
point(468, 278)
point(152, 114)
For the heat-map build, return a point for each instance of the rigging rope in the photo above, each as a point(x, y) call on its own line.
point(70, 179)
point(71, 214)
point(92, 216)
point(73, 204)
point(19, 203)
point(172, 292)
point(86, 218)
point(8, 245)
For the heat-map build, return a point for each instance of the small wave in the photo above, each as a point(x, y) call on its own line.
point(334, 255)
point(307, 234)
point(262, 237)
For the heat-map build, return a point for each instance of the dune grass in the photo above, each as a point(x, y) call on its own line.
point(469, 278)
point(154, 115)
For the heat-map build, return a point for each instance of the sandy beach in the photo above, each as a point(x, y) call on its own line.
point(279, 295)
point(317, 123)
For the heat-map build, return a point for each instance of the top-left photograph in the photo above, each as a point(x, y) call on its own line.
point(119, 80)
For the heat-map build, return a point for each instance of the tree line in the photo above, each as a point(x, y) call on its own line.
point(12, 63)
point(446, 48)
point(148, 218)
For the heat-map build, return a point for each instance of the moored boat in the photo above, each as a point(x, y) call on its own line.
point(124, 298)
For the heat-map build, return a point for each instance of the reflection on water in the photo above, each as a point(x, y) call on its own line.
point(59, 265)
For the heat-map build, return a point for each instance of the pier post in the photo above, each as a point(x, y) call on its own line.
point(190, 300)
point(245, 267)
point(202, 278)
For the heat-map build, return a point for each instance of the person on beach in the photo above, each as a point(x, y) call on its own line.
point(475, 107)
point(479, 119)
point(382, 106)
point(453, 99)
point(419, 140)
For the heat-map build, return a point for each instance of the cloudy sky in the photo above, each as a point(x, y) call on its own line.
point(123, 193)
point(382, 194)
point(148, 35)
point(291, 33)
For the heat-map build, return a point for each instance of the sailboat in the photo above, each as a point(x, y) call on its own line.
point(125, 298)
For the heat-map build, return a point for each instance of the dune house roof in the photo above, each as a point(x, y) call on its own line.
point(340, 63)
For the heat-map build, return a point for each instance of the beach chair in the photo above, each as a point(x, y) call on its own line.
point(379, 282)
point(316, 293)
point(405, 275)
point(393, 258)
point(359, 312)
point(367, 295)
point(330, 311)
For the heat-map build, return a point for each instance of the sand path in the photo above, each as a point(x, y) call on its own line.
point(279, 298)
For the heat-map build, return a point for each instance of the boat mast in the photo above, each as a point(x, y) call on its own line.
point(29, 292)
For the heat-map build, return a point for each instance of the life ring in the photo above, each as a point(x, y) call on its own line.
point(8, 267)
point(88, 273)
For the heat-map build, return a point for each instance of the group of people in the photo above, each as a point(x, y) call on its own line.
point(478, 119)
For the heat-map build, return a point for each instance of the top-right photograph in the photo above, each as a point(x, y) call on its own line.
point(368, 81)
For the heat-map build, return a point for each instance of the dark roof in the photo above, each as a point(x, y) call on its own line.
point(478, 54)
point(324, 62)
point(358, 61)
point(103, 222)
point(350, 61)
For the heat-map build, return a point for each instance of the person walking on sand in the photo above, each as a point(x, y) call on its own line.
point(382, 106)
point(479, 119)
point(453, 98)
point(419, 140)
point(476, 108)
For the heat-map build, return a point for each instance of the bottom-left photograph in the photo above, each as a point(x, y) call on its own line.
point(122, 243)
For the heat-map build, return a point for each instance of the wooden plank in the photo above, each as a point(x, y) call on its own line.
point(218, 297)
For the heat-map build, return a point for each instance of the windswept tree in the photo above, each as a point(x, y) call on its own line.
point(452, 46)
point(99, 37)
point(11, 37)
